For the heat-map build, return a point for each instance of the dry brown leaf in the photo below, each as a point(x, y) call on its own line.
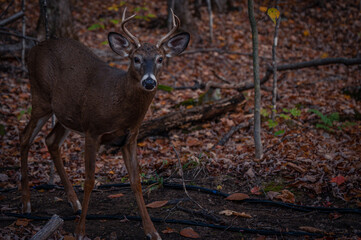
point(226, 212)
point(169, 230)
point(22, 222)
point(311, 229)
point(271, 194)
point(157, 204)
point(237, 197)
point(286, 196)
point(116, 195)
point(296, 167)
point(191, 141)
point(189, 233)
point(69, 237)
point(231, 212)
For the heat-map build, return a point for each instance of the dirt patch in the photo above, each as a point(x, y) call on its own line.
point(264, 216)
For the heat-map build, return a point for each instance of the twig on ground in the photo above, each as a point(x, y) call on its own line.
point(183, 182)
point(234, 129)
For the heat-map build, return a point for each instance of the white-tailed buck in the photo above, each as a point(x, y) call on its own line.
point(104, 104)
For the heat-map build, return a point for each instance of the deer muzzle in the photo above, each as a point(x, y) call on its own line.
point(149, 82)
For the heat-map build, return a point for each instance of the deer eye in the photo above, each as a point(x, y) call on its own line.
point(160, 60)
point(136, 60)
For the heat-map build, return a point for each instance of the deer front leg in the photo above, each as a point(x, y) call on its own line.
point(91, 147)
point(131, 162)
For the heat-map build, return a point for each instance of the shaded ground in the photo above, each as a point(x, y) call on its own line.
point(321, 167)
point(264, 216)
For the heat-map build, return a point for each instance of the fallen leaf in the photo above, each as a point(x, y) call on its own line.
point(250, 173)
point(338, 180)
point(311, 229)
point(169, 230)
point(256, 190)
point(231, 212)
point(69, 237)
point(296, 167)
point(271, 194)
point(116, 195)
point(226, 212)
point(191, 141)
point(237, 197)
point(189, 233)
point(157, 204)
point(22, 222)
point(286, 196)
point(263, 9)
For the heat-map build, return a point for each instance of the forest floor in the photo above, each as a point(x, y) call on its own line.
point(311, 150)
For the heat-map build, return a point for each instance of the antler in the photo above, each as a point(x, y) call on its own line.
point(176, 23)
point(131, 36)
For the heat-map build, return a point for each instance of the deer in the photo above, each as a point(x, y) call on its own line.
point(104, 104)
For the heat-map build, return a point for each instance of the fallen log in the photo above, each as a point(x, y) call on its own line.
point(196, 114)
point(50, 227)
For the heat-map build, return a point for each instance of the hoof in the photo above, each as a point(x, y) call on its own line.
point(27, 208)
point(76, 207)
point(153, 236)
point(78, 212)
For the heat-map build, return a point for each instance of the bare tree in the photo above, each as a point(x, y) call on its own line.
point(257, 92)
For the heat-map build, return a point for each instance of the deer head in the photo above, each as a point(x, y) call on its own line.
point(146, 59)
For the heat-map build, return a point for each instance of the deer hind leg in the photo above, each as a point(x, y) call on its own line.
point(131, 162)
point(35, 124)
point(54, 140)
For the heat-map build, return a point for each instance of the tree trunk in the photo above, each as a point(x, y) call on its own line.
point(181, 8)
point(60, 20)
point(257, 91)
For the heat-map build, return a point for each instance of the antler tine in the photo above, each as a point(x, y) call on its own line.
point(176, 23)
point(125, 30)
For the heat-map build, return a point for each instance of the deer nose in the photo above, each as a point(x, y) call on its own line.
point(149, 82)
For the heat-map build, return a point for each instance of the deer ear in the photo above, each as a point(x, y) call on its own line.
point(176, 44)
point(119, 44)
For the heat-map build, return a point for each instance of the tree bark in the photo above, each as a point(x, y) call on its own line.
point(51, 226)
point(60, 20)
point(181, 8)
point(257, 85)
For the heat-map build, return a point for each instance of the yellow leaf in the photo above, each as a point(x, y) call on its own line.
point(263, 9)
point(324, 55)
point(273, 13)
point(111, 172)
point(306, 33)
point(141, 144)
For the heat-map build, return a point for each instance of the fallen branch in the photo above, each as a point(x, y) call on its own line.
point(196, 114)
point(233, 130)
point(8, 48)
point(12, 18)
point(50, 227)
